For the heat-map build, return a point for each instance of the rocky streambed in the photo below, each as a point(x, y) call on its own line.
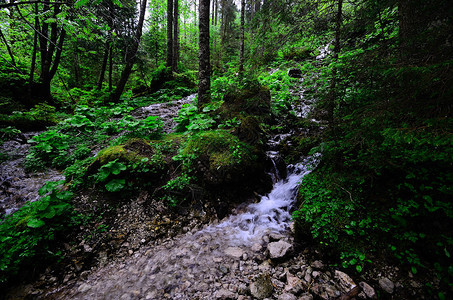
point(17, 186)
point(250, 254)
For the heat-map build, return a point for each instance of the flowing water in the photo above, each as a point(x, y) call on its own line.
point(202, 264)
point(18, 186)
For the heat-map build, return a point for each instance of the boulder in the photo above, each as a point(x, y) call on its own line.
point(261, 287)
point(279, 249)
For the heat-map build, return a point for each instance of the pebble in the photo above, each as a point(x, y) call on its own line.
point(387, 285)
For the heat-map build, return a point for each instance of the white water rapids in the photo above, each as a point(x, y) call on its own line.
point(271, 214)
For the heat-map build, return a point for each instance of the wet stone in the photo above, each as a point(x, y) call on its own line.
point(387, 285)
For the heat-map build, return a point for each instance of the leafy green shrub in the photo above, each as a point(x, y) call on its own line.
point(40, 116)
point(28, 236)
point(127, 166)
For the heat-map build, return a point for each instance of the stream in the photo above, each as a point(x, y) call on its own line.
point(211, 263)
point(18, 186)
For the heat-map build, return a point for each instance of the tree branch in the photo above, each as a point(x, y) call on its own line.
point(11, 4)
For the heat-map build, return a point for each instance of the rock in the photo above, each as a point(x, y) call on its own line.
point(287, 296)
point(87, 248)
point(234, 252)
point(387, 285)
point(324, 291)
point(256, 247)
point(225, 294)
point(84, 288)
point(294, 284)
point(295, 73)
point(317, 264)
point(279, 249)
point(307, 277)
point(261, 287)
point(306, 297)
point(346, 283)
point(274, 236)
point(368, 290)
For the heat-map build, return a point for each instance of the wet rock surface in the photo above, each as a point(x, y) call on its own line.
point(167, 112)
point(18, 186)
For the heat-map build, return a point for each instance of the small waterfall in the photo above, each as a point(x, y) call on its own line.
point(271, 214)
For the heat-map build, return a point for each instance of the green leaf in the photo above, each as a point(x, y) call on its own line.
point(42, 205)
point(414, 270)
point(115, 185)
point(50, 214)
point(35, 223)
point(358, 268)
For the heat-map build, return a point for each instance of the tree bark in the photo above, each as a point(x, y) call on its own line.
point(131, 55)
point(204, 69)
point(170, 33)
point(175, 36)
point(241, 54)
point(333, 85)
point(104, 64)
point(13, 61)
point(35, 46)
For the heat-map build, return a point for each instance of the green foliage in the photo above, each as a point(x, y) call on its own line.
point(225, 157)
point(28, 235)
point(40, 116)
point(189, 119)
point(126, 167)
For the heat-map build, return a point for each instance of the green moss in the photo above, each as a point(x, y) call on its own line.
point(253, 100)
point(133, 150)
point(219, 157)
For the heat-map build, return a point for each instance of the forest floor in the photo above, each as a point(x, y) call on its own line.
point(151, 251)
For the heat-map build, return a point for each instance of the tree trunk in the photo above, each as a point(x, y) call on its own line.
point(49, 47)
point(175, 36)
point(131, 55)
point(13, 61)
point(170, 33)
point(111, 68)
point(35, 46)
point(204, 69)
point(241, 54)
point(104, 64)
point(333, 85)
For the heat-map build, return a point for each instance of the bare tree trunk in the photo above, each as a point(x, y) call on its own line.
point(111, 68)
point(170, 33)
point(13, 61)
point(131, 55)
point(175, 36)
point(35, 46)
point(204, 69)
point(104, 64)
point(241, 54)
point(333, 85)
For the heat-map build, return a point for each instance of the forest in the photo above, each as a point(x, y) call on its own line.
point(226, 149)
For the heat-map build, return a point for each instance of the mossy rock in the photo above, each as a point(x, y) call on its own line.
point(133, 151)
point(249, 130)
point(218, 157)
point(297, 53)
point(254, 100)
